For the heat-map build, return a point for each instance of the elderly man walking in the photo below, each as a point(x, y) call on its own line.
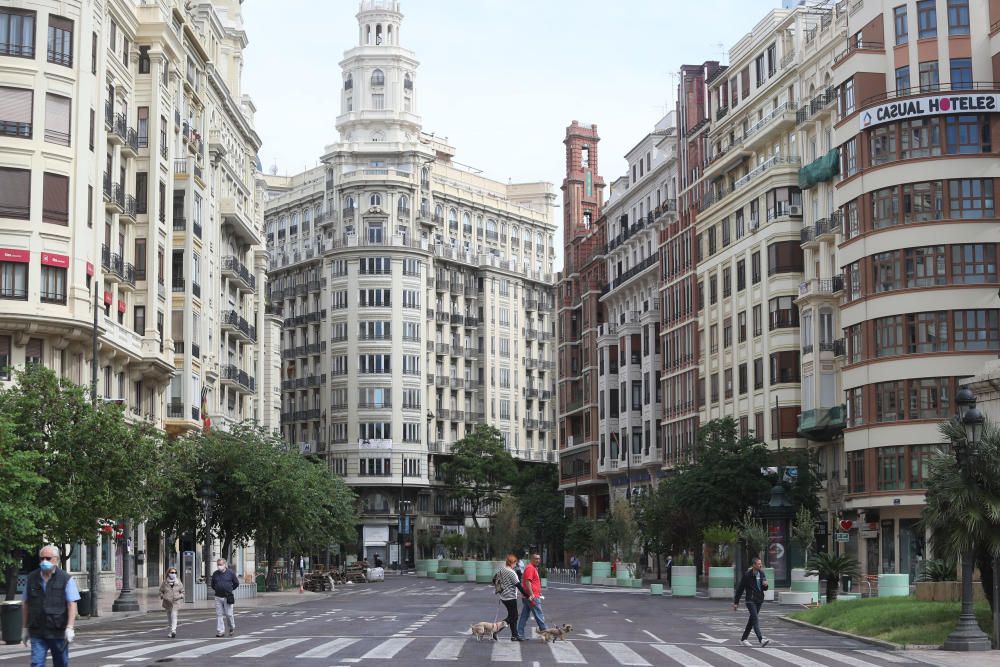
point(532, 604)
point(48, 612)
point(224, 581)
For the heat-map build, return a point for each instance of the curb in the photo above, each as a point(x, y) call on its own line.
point(840, 633)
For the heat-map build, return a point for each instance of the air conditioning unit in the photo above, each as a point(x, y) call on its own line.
point(795, 211)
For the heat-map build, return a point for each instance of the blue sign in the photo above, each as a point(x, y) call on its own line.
point(404, 525)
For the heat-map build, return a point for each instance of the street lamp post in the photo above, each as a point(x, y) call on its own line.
point(206, 492)
point(967, 636)
point(92, 548)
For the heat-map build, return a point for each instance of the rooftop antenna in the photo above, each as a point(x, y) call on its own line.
point(722, 52)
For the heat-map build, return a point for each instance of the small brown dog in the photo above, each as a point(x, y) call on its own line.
point(484, 628)
point(555, 633)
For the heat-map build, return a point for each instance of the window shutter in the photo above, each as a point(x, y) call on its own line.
point(15, 105)
point(15, 193)
point(55, 199)
point(57, 115)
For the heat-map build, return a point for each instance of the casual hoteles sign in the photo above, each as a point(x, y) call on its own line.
point(932, 105)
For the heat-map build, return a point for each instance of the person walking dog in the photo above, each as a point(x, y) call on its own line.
point(48, 610)
point(753, 583)
point(224, 581)
point(531, 605)
point(172, 595)
point(507, 585)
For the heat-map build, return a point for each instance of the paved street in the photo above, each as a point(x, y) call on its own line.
point(410, 621)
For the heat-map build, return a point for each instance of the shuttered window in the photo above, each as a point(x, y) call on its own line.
point(57, 115)
point(15, 112)
point(55, 199)
point(15, 193)
point(60, 49)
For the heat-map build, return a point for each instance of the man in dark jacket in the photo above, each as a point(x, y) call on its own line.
point(753, 583)
point(48, 610)
point(224, 581)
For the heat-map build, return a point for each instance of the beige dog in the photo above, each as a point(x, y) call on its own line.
point(484, 628)
point(555, 633)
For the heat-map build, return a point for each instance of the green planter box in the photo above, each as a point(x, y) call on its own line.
point(10, 621)
point(456, 578)
point(684, 581)
point(803, 583)
point(484, 567)
point(484, 578)
point(893, 585)
point(637, 583)
point(769, 593)
point(431, 566)
point(584, 580)
point(441, 576)
point(420, 565)
point(455, 565)
point(601, 568)
point(720, 582)
point(470, 570)
point(545, 582)
point(656, 589)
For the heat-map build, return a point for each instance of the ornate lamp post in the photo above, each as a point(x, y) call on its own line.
point(207, 493)
point(126, 601)
point(967, 635)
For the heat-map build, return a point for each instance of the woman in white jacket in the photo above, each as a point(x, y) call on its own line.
point(172, 595)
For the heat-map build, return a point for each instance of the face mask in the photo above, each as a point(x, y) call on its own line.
point(172, 576)
point(47, 565)
point(222, 568)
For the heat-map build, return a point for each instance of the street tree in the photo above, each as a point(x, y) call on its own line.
point(540, 503)
point(653, 517)
point(20, 513)
point(580, 538)
point(479, 471)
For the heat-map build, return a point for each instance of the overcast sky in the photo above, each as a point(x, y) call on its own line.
point(500, 78)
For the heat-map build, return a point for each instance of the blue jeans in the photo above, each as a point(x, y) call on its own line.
point(534, 610)
point(753, 622)
point(40, 646)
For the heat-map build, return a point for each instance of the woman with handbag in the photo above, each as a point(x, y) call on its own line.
point(224, 581)
point(172, 595)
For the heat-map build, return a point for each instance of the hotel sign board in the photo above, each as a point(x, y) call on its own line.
point(931, 105)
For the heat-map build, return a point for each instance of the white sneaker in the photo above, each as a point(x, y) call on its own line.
point(764, 641)
point(746, 642)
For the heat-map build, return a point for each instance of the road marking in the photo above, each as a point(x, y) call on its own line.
point(840, 657)
point(86, 651)
point(884, 655)
point(212, 648)
point(506, 652)
point(388, 649)
point(800, 660)
point(654, 636)
point(164, 646)
point(328, 649)
point(628, 620)
point(268, 649)
point(453, 600)
point(565, 652)
point(623, 654)
point(590, 634)
point(743, 659)
point(710, 638)
point(446, 649)
point(680, 655)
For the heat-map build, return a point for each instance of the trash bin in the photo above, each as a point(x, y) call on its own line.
point(261, 583)
point(85, 607)
point(10, 621)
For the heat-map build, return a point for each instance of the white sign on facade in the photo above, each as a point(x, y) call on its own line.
point(366, 443)
point(376, 536)
point(932, 105)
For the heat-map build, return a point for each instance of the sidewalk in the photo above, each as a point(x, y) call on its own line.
point(954, 659)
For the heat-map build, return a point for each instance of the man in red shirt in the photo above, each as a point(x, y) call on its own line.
point(533, 605)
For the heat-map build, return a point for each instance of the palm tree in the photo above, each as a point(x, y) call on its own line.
point(963, 499)
point(831, 568)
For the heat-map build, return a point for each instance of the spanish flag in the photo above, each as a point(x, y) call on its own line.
point(205, 419)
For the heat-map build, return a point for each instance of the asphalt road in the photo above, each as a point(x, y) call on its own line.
point(409, 621)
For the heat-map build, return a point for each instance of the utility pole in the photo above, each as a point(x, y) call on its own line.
point(92, 547)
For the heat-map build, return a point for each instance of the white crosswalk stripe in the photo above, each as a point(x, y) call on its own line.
point(799, 660)
point(446, 649)
point(623, 654)
point(213, 648)
point(565, 653)
point(161, 646)
point(506, 651)
point(739, 657)
point(840, 656)
point(329, 648)
point(84, 649)
point(884, 655)
point(268, 649)
point(681, 656)
point(387, 649)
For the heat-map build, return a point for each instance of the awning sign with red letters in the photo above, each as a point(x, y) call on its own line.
point(14, 255)
point(53, 259)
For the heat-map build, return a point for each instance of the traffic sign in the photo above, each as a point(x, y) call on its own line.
point(842, 537)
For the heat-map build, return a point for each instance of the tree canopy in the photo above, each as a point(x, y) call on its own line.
point(479, 471)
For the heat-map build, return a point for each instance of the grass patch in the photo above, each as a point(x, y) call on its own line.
point(899, 620)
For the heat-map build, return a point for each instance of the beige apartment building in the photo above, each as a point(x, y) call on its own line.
point(416, 295)
point(128, 175)
point(917, 103)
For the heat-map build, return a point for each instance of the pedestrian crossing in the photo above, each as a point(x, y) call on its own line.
point(470, 651)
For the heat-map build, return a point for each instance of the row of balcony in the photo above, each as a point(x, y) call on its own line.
point(815, 105)
point(116, 268)
point(238, 272)
point(444, 414)
point(301, 415)
point(825, 286)
point(445, 382)
point(633, 272)
point(305, 350)
point(234, 322)
point(306, 382)
point(239, 378)
point(454, 319)
point(304, 319)
point(824, 227)
point(118, 130)
point(300, 289)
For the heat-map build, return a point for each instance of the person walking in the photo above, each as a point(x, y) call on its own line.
point(172, 595)
point(670, 570)
point(531, 604)
point(48, 610)
point(224, 581)
point(753, 583)
point(574, 565)
point(507, 587)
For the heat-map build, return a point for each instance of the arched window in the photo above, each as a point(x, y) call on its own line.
point(375, 199)
point(513, 234)
point(408, 82)
point(349, 202)
point(527, 236)
point(425, 206)
point(438, 214)
point(467, 223)
point(348, 82)
point(479, 226)
point(378, 34)
point(491, 226)
point(318, 214)
point(378, 78)
point(452, 218)
point(538, 239)
point(404, 203)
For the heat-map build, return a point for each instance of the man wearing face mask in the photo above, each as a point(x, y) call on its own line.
point(48, 612)
point(172, 595)
point(223, 583)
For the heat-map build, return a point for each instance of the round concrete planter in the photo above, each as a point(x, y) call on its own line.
point(441, 576)
point(720, 582)
point(421, 567)
point(585, 580)
point(485, 567)
point(893, 585)
point(601, 568)
point(545, 582)
point(684, 581)
point(769, 593)
point(803, 583)
point(431, 566)
point(455, 565)
point(470, 570)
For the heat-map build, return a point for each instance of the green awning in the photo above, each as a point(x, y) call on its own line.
point(820, 170)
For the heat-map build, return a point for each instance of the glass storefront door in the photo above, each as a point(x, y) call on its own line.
point(912, 548)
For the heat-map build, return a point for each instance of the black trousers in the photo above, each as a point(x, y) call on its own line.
point(511, 606)
point(753, 623)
